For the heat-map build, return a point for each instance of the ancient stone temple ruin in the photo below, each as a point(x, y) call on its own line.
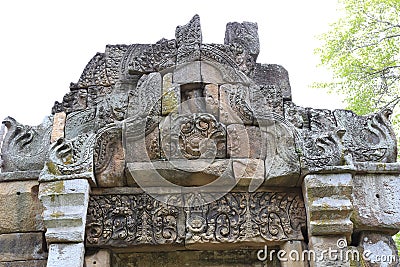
point(181, 153)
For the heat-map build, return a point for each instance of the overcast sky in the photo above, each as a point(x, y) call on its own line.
point(45, 45)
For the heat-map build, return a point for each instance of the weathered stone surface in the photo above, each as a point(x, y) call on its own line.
point(145, 100)
point(265, 99)
point(188, 40)
point(58, 126)
point(321, 245)
point(234, 220)
point(243, 37)
point(370, 137)
point(249, 172)
point(140, 145)
point(20, 208)
point(379, 250)
point(376, 202)
point(174, 172)
point(109, 157)
point(70, 159)
point(240, 218)
point(72, 101)
point(71, 255)
point(80, 122)
point(154, 57)
point(328, 199)
point(25, 147)
point(291, 258)
point(234, 105)
point(32, 263)
point(133, 220)
point(272, 75)
point(22, 247)
point(187, 73)
point(65, 207)
point(171, 95)
point(19, 176)
point(246, 142)
point(211, 95)
point(101, 258)
point(195, 258)
point(282, 163)
point(218, 70)
point(194, 136)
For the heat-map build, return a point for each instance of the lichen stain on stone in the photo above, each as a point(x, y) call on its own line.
point(68, 160)
point(57, 214)
point(52, 168)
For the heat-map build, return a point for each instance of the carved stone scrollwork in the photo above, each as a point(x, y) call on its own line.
point(70, 158)
point(94, 74)
point(157, 57)
point(188, 39)
point(322, 139)
point(123, 220)
point(370, 137)
point(109, 157)
point(197, 136)
point(25, 147)
point(243, 41)
point(129, 220)
point(247, 217)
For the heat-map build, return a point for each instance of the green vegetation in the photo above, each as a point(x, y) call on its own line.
point(362, 49)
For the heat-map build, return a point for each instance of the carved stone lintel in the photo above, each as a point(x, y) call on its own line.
point(126, 220)
point(236, 218)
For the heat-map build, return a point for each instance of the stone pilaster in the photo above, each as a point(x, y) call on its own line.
point(328, 199)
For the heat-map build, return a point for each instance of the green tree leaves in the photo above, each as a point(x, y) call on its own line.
point(362, 50)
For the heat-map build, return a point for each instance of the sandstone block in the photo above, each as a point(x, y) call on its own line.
point(211, 95)
point(58, 126)
point(245, 142)
point(33, 263)
point(20, 208)
point(328, 201)
point(101, 258)
point(321, 245)
point(171, 95)
point(234, 105)
point(65, 207)
point(216, 73)
point(249, 172)
point(187, 73)
point(166, 174)
point(140, 146)
point(379, 250)
point(22, 247)
point(376, 202)
point(275, 76)
point(71, 255)
point(290, 259)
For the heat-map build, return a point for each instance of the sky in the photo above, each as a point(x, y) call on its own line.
point(46, 45)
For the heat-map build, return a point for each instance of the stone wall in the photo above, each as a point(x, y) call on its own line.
point(185, 153)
